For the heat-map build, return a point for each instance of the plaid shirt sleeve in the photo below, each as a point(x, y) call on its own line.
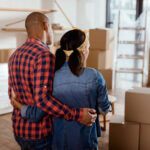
point(42, 90)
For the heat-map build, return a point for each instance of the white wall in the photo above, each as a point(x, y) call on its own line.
point(84, 14)
point(91, 14)
point(20, 38)
point(68, 6)
point(8, 39)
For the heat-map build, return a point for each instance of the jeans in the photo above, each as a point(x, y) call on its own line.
point(39, 144)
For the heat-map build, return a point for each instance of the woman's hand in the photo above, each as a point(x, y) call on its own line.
point(14, 100)
point(16, 103)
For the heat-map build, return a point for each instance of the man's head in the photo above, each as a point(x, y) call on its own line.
point(38, 26)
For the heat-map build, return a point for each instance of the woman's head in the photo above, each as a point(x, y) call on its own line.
point(75, 45)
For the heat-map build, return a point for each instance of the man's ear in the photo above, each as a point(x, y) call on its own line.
point(45, 25)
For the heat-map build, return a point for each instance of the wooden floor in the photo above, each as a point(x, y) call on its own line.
point(7, 141)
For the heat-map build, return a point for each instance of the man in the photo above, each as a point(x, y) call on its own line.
point(31, 72)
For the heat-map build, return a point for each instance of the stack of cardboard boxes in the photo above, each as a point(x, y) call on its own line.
point(132, 132)
point(101, 52)
point(5, 54)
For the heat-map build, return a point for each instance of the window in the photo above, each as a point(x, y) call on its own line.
point(131, 7)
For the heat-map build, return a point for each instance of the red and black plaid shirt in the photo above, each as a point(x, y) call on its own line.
point(31, 72)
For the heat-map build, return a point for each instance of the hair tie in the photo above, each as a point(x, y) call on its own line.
point(68, 52)
point(80, 48)
point(83, 45)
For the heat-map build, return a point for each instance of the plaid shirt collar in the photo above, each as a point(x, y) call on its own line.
point(37, 41)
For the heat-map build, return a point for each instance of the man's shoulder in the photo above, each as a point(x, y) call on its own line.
point(42, 50)
point(43, 54)
point(36, 50)
point(39, 49)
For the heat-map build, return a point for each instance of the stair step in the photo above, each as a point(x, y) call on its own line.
point(132, 42)
point(132, 28)
point(130, 70)
point(130, 57)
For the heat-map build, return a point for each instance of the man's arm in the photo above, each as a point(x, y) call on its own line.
point(35, 114)
point(42, 92)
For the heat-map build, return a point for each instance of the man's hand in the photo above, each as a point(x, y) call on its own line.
point(89, 117)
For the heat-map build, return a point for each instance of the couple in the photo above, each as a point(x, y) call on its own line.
point(55, 112)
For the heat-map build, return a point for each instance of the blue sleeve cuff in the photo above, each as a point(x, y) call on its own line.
point(23, 111)
point(107, 110)
point(103, 112)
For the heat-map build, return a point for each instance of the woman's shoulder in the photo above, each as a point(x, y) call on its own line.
point(95, 74)
point(91, 72)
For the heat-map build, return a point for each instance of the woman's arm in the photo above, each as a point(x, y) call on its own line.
point(33, 114)
point(103, 102)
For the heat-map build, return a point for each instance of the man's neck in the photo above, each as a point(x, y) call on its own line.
point(37, 36)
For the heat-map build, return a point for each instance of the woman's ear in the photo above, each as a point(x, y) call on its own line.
point(85, 52)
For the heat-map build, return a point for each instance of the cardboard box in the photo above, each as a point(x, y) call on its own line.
point(142, 89)
point(107, 75)
point(21, 38)
point(123, 135)
point(102, 39)
point(137, 105)
point(100, 59)
point(145, 137)
point(5, 54)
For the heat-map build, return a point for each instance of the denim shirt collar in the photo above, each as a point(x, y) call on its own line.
point(65, 64)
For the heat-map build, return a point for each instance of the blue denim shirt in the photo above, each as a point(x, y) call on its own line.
point(86, 91)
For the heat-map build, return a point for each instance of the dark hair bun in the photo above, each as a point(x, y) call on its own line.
point(76, 62)
point(71, 41)
point(60, 58)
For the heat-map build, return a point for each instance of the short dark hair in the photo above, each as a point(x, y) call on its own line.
point(35, 18)
point(71, 41)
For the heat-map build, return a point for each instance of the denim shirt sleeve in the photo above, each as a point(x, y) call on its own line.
point(33, 114)
point(102, 99)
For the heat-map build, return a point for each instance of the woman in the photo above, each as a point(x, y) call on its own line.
point(76, 86)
